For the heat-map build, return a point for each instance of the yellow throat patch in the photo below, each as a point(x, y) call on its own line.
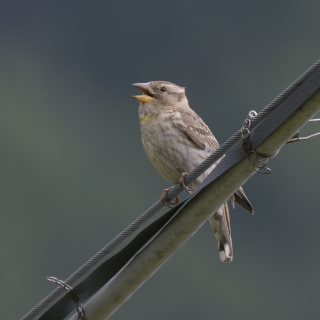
point(146, 118)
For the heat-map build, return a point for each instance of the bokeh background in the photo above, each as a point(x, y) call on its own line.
point(74, 174)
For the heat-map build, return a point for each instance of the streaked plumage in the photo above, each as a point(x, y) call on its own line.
point(176, 140)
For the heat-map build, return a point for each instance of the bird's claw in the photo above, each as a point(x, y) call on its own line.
point(165, 201)
point(183, 184)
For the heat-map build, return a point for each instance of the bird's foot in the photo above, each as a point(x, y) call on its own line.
point(183, 184)
point(165, 200)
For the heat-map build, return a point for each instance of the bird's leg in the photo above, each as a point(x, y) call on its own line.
point(183, 184)
point(164, 198)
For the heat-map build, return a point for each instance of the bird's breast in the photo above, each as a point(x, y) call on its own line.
point(169, 149)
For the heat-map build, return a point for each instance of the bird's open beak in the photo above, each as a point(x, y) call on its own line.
point(147, 92)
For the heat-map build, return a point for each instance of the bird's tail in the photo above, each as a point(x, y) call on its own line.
point(220, 223)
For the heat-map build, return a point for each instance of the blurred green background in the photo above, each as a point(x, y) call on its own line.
point(74, 174)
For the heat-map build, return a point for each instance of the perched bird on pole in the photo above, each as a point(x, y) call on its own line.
point(176, 140)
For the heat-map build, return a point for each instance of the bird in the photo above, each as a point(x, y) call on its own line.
point(176, 140)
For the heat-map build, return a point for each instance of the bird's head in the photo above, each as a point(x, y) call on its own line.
point(162, 94)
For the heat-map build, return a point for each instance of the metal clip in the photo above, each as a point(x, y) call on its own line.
point(258, 164)
point(69, 289)
point(245, 131)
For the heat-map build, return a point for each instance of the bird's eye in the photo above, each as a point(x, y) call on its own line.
point(163, 89)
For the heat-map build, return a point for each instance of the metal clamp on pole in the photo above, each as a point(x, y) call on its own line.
point(257, 160)
point(69, 289)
